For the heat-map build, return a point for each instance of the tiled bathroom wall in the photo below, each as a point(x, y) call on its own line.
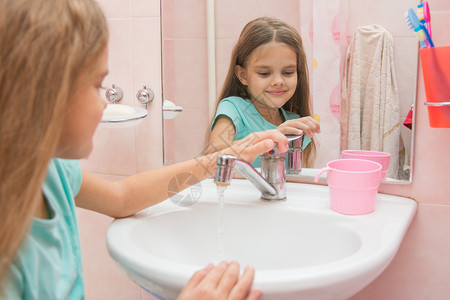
point(134, 61)
point(420, 269)
point(185, 77)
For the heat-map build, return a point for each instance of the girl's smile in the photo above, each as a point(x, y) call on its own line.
point(276, 93)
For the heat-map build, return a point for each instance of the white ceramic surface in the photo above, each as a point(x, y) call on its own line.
point(300, 248)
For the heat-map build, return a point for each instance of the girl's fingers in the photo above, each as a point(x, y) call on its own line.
point(221, 282)
point(194, 281)
point(257, 143)
point(241, 289)
point(254, 295)
point(229, 279)
point(312, 123)
point(213, 277)
point(270, 134)
point(198, 276)
point(307, 124)
point(290, 130)
point(262, 146)
point(249, 154)
point(256, 137)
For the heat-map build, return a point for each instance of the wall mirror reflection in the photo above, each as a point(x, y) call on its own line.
point(198, 38)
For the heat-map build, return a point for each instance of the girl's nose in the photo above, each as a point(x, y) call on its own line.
point(277, 80)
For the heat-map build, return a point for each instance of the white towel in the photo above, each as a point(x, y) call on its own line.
point(370, 106)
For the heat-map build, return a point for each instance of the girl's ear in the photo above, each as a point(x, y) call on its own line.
point(241, 75)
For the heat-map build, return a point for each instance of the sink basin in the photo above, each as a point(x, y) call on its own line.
point(300, 248)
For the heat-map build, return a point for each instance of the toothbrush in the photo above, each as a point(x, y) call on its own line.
point(413, 22)
point(422, 33)
point(428, 38)
point(423, 13)
point(421, 36)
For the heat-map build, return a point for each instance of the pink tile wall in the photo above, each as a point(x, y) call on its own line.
point(185, 77)
point(134, 60)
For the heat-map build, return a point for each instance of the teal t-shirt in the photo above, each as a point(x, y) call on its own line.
point(247, 119)
point(48, 262)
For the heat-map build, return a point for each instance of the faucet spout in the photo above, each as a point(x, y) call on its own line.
point(272, 179)
point(225, 165)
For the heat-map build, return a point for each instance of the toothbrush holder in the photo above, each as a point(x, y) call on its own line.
point(436, 75)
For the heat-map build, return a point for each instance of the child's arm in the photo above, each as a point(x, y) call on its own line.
point(307, 125)
point(127, 196)
point(222, 135)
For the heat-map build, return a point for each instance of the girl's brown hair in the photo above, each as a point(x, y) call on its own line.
point(45, 47)
point(259, 32)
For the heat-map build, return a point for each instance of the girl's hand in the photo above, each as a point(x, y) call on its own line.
point(220, 282)
point(307, 125)
point(257, 143)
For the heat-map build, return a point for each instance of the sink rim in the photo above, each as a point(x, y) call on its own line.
point(370, 258)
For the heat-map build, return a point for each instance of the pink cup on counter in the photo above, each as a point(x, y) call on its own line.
point(353, 185)
point(383, 158)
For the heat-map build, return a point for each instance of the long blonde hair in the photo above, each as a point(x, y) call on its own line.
point(258, 32)
point(45, 46)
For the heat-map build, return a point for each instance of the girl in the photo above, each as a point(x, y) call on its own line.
point(266, 88)
point(53, 58)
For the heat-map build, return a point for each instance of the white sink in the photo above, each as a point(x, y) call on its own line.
point(299, 247)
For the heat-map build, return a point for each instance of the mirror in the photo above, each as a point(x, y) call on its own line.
point(198, 37)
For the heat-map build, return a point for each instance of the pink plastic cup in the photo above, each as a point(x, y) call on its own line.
point(383, 158)
point(353, 185)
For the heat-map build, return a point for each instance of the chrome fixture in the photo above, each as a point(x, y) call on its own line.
point(437, 103)
point(225, 165)
point(145, 95)
point(271, 182)
point(114, 94)
point(294, 154)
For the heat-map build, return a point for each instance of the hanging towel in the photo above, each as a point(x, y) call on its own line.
point(370, 106)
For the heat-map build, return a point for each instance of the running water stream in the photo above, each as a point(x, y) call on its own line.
point(220, 220)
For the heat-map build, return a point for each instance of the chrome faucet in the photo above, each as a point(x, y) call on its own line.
point(294, 154)
point(271, 182)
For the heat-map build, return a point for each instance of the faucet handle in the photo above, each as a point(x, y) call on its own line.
point(295, 142)
point(294, 154)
